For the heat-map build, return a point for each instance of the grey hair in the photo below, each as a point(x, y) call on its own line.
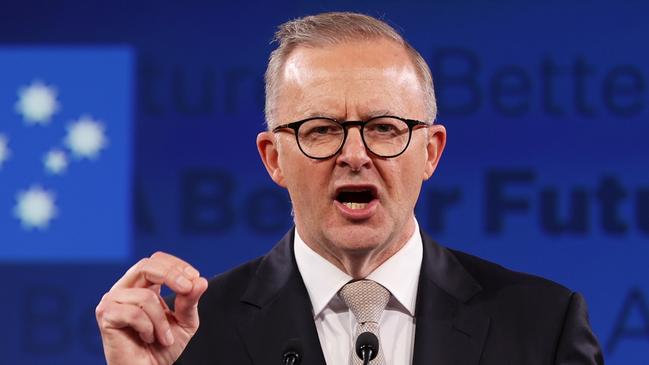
point(334, 28)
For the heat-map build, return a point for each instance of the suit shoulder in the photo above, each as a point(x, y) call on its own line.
point(517, 302)
point(529, 316)
point(495, 277)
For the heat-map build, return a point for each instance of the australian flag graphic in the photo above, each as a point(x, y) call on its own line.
point(65, 153)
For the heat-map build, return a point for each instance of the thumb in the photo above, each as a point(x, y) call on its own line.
point(186, 305)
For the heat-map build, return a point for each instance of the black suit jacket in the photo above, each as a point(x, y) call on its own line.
point(468, 312)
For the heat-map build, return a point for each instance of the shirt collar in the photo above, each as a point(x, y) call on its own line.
point(399, 273)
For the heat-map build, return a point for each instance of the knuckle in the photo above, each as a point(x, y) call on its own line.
point(172, 273)
point(142, 263)
point(102, 306)
point(158, 255)
point(105, 316)
point(146, 328)
point(99, 311)
point(152, 297)
point(134, 316)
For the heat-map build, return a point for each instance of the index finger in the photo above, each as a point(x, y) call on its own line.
point(160, 268)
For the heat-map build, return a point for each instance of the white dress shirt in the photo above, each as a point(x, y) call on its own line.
point(335, 324)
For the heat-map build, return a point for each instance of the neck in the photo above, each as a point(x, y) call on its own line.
point(360, 263)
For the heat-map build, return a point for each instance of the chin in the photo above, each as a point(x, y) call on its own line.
point(356, 238)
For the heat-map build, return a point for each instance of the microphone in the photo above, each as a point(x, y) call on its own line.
point(367, 347)
point(292, 352)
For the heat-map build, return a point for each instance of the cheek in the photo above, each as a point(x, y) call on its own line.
point(407, 179)
point(305, 181)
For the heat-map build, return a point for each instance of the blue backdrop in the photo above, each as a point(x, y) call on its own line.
point(545, 171)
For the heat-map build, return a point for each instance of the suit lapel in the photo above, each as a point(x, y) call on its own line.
point(276, 308)
point(448, 331)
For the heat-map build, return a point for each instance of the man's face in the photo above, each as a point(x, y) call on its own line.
point(351, 81)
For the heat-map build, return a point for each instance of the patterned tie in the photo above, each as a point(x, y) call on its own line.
point(367, 300)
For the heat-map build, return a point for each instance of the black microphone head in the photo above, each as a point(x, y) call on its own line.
point(293, 349)
point(367, 340)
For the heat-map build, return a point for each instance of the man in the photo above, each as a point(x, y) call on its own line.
point(350, 110)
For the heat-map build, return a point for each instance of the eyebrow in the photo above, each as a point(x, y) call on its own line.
point(379, 113)
point(370, 115)
point(320, 114)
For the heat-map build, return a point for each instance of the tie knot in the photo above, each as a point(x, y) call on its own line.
point(366, 299)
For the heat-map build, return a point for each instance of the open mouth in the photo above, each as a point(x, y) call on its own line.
point(356, 198)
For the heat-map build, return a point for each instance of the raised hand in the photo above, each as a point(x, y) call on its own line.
point(137, 327)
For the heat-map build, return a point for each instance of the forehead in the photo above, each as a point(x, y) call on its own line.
point(359, 79)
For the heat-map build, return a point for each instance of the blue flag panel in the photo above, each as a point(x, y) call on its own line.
point(65, 153)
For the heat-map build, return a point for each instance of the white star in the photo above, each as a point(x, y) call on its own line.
point(35, 207)
point(5, 152)
point(37, 103)
point(55, 161)
point(86, 137)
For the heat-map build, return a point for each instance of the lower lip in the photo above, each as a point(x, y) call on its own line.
point(357, 214)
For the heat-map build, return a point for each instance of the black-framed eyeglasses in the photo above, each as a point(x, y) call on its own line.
point(320, 138)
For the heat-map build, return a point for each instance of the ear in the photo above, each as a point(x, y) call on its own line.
point(435, 147)
point(267, 146)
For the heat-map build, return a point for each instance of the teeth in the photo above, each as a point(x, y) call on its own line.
point(351, 205)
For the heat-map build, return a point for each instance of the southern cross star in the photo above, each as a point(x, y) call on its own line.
point(37, 103)
point(86, 137)
point(35, 207)
point(55, 161)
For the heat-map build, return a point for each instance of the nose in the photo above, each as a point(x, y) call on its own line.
point(354, 154)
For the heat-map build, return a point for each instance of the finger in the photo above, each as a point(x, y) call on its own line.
point(178, 281)
point(155, 268)
point(113, 315)
point(160, 269)
point(181, 264)
point(186, 306)
point(150, 303)
point(142, 269)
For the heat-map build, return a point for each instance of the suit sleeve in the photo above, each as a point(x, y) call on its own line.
point(577, 344)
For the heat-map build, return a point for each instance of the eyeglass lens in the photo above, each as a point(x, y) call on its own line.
point(383, 136)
